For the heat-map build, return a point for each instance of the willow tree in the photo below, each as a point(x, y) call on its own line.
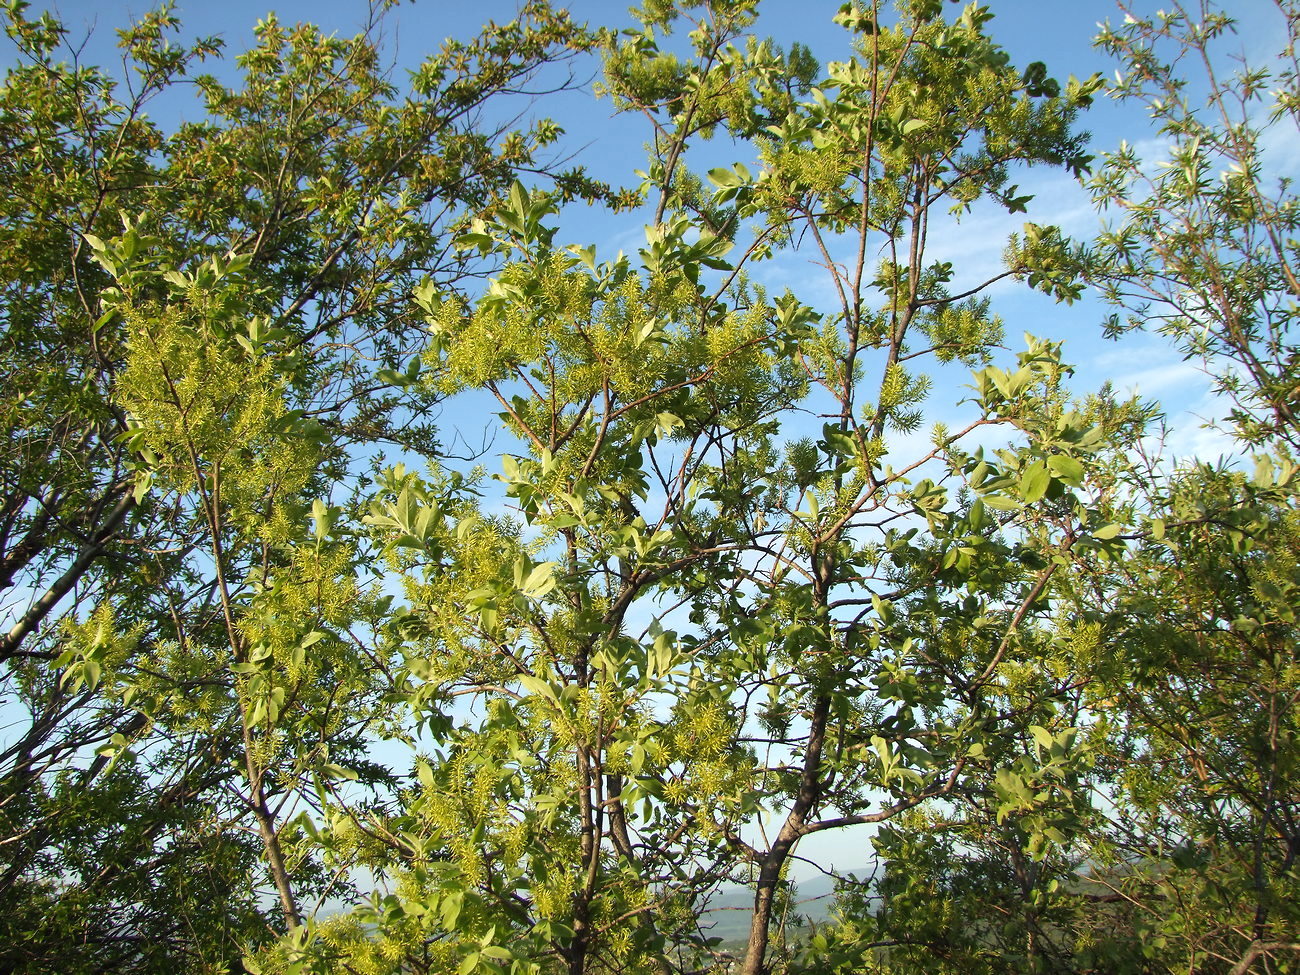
point(1184, 633)
point(1201, 247)
point(204, 332)
point(730, 603)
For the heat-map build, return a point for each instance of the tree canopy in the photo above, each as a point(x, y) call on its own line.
point(394, 584)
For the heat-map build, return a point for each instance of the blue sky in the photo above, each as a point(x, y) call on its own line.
point(1054, 31)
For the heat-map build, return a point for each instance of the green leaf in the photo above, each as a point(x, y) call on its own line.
point(1042, 737)
point(1034, 482)
point(1066, 468)
point(1000, 503)
point(450, 908)
point(425, 774)
point(537, 685)
point(540, 581)
point(722, 177)
point(90, 673)
point(666, 423)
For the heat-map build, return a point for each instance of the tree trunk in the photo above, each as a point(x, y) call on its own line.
point(769, 873)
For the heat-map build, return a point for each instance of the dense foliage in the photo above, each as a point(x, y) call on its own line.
point(292, 684)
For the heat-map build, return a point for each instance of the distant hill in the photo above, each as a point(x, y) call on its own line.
point(729, 911)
